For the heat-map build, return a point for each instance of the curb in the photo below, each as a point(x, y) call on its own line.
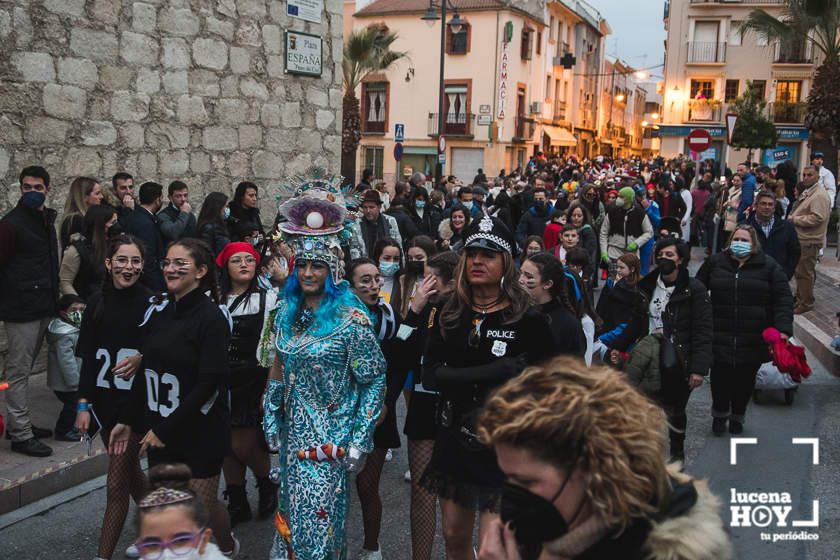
point(818, 342)
point(18, 493)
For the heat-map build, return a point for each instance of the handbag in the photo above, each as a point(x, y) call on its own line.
point(671, 365)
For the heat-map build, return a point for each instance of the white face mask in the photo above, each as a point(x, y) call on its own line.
point(191, 555)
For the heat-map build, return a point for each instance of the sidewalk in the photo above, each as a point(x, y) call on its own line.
point(817, 328)
point(23, 479)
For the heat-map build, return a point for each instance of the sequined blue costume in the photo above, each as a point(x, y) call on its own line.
point(331, 393)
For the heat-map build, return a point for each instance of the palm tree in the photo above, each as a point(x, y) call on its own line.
point(816, 22)
point(365, 51)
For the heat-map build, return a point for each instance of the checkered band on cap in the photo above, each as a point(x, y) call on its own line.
point(489, 237)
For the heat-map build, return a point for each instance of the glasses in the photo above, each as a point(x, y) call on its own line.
point(181, 545)
point(239, 260)
point(124, 262)
point(179, 263)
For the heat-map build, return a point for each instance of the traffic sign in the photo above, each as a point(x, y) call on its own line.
point(399, 132)
point(441, 144)
point(731, 119)
point(699, 140)
point(398, 151)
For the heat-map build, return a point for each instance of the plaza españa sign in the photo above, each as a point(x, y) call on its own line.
point(303, 53)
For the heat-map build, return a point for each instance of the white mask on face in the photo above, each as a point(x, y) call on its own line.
point(191, 555)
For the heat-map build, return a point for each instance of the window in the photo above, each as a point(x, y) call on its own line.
point(374, 106)
point(788, 91)
point(702, 89)
point(455, 104)
point(548, 87)
point(760, 87)
point(527, 41)
point(735, 35)
point(373, 160)
point(731, 91)
point(458, 43)
point(539, 42)
point(551, 35)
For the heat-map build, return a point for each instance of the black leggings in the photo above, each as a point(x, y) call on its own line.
point(732, 387)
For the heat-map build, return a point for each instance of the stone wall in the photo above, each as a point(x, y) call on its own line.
point(164, 89)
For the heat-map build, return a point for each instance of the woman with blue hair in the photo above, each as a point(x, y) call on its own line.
point(326, 386)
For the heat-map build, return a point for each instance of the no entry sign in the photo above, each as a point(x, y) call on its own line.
point(699, 140)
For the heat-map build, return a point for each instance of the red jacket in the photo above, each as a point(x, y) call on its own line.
point(788, 357)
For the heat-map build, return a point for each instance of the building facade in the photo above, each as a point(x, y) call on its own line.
point(167, 90)
point(707, 65)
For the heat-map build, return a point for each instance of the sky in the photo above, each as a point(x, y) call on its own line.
point(637, 30)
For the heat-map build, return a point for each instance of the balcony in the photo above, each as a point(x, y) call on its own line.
point(793, 55)
point(454, 125)
point(373, 127)
point(702, 110)
point(786, 112)
point(523, 129)
point(559, 111)
point(706, 53)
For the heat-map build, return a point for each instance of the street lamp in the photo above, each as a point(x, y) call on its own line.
point(456, 25)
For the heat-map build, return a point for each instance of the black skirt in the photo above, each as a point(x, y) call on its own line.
point(386, 435)
point(201, 467)
point(420, 421)
point(246, 396)
point(466, 473)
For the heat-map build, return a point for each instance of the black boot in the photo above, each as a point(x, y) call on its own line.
point(718, 426)
point(735, 426)
point(678, 449)
point(268, 498)
point(238, 507)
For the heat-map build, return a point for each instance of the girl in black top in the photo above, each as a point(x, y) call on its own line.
point(181, 401)
point(544, 279)
point(250, 307)
point(82, 270)
point(243, 207)
point(420, 426)
point(487, 334)
point(210, 226)
point(109, 343)
point(365, 281)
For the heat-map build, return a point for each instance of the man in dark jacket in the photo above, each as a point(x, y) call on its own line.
point(777, 236)
point(670, 203)
point(28, 299)
point(426, 216)
point(534, 220)
point(121, 195)
point(176, 220)
point(398, 211)
point(678, 308)
point(143, 224)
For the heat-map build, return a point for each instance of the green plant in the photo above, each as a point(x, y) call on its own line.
point(752, 129)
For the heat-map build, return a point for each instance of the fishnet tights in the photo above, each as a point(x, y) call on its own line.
point(246, 444)
point(207, 490)
point(124, 478)
point(367, 485)
point(423, 502)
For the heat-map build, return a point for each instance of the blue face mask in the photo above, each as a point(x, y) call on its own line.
point(420, 204)
point(740, 248)
point(388, 269)
point(227, 213)
point(468, 204)
point(33, 199)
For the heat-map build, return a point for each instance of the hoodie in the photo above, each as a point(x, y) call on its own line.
point(62, 364)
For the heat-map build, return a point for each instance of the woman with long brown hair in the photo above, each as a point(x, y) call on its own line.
point(84, 193)
point(488, 332)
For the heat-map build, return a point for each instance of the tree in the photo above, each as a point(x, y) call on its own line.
point(752, 129)
point(366, 51)
point(814, 22)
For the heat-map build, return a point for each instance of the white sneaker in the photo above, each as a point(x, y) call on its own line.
point(236, 547)
point(132, 552)
point(407, 476)
point(389, 455)
point(365, 554)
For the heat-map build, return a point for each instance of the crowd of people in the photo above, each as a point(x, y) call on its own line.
point(208, 342)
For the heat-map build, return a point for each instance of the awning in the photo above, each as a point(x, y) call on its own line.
point(604, 141)
point(560, 136)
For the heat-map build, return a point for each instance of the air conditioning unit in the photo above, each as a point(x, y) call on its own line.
point(536, 107)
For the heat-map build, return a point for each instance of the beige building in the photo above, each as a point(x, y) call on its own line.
point(622, 111)
point(708, 62)
point(507, 93)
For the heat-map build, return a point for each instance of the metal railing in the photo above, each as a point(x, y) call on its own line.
point(454, 124)
point(523, 129)
point(701, 110)
point(373, 127)
point(701, 52)
point(793, 55)
point(559, 110)
point(786, 112)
